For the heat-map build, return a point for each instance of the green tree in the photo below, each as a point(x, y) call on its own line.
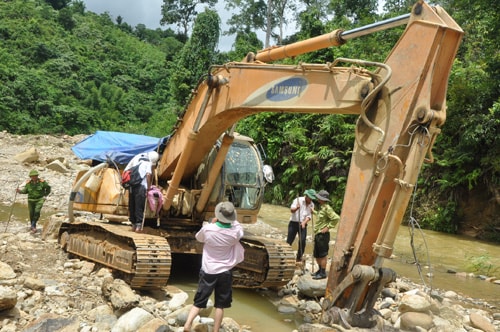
point(244, 43)
point(355, 10)
point(66, 19)
point(195, 57)
point(251, 16)
point(263, 15)
point(58, 4)
point(182, 12)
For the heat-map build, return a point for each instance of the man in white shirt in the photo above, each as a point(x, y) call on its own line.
point(221, 252)
point(301, 209)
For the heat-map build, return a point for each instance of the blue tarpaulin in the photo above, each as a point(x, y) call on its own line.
point(105, 146)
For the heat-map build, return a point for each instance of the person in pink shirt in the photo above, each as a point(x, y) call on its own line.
point(222, 251)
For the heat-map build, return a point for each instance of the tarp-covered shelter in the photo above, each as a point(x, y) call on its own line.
point(117, 147)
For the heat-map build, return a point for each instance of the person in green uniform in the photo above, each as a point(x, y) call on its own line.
point(37, 189)
point(326, 220)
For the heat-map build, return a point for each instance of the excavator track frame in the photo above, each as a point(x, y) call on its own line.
point(143, 259)
point(268, 263)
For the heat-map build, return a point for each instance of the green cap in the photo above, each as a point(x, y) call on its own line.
point(33, 172)
point(311, 193)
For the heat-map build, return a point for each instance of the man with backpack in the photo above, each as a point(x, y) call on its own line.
point(138, 191)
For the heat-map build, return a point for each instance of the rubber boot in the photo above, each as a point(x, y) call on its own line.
point(321, 274)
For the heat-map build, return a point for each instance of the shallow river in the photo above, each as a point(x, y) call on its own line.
point(444, 252)
point(441, 252)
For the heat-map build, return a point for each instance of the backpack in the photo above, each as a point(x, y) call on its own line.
point(155, 201)
point(131, 177)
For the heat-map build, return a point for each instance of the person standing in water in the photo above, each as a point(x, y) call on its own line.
point(222, 251)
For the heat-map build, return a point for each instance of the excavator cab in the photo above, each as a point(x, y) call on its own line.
point(241, 179)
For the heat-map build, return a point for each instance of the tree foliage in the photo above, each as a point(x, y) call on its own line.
point(58, 4)
point(182, 12)
point(260, 15)
point(355, 10)
point(195, 57)
point(69, 71)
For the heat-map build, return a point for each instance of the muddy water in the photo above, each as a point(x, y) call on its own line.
point(436, 252)
point(252, 308)
point(15, 212)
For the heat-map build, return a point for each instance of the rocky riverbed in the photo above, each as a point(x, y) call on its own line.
point(43, 289)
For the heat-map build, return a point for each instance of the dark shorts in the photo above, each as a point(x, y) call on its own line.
point(321, 244)
point(220, 283)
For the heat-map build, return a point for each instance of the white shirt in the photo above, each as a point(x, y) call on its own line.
point(304, 210)
point(146, 167)
point(222, 249)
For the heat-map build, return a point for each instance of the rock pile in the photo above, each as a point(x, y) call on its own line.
point(403, 306)
point(43, 290)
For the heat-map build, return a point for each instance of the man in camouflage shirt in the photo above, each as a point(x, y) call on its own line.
point(327, 220)
point(37, 189)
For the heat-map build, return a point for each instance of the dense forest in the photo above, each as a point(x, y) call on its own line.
point(66, 70)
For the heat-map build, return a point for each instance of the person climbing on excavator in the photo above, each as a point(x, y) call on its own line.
point(138, 192)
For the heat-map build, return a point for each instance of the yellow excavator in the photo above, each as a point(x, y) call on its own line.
point(401, 105)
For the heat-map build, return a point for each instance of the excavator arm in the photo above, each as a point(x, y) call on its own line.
point(401, 106)
point(392, 143)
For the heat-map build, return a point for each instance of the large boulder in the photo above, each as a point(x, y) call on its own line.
point(310, 287)
point(8, 298)
point(119, 293)
point(29, 156)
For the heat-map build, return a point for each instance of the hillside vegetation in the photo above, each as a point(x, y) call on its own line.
point(70, 71)
point(65, 70)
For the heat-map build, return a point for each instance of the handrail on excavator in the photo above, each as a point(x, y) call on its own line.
point(334, 38)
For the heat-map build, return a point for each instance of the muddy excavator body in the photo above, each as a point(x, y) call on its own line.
point(400, 104)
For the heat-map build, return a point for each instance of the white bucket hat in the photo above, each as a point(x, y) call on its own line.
point(153, 156)
point(224, 211)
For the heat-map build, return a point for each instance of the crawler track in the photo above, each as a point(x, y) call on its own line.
point(143, 259)
point(268, 263)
